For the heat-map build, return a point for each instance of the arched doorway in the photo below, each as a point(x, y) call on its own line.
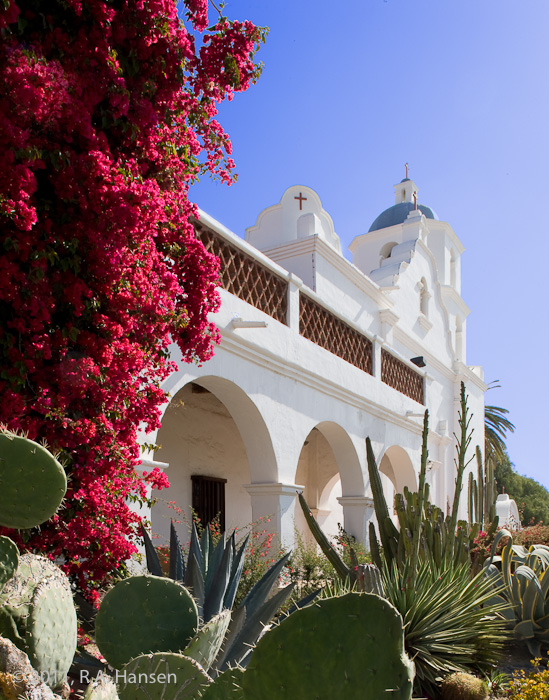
point(215, 441)
point(397, 471)
point(328, 468)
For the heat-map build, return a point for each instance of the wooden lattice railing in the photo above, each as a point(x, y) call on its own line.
point(246, 278)
point(401, 377)
point(333, 334)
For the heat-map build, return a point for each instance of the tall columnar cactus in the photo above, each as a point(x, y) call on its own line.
point(482, 493)
point(351, 645)
point(366, 577)
point(38, 616)
point(32, 482)
point(424, 531)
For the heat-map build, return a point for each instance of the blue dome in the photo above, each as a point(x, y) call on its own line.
point(398, 213)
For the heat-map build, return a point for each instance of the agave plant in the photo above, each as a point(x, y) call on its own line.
point(452, 621)
point(212, 573)
point(521, 577)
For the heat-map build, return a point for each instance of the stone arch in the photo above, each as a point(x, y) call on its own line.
point(249, 421)
point(386, 250)
point(213, 431)
point(328, 468)
point(352, 480)
point(396, 471)
point(331, 490)
point(397, 465)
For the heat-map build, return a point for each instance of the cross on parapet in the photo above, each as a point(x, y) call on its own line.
point(301, 200)
point(414, 195)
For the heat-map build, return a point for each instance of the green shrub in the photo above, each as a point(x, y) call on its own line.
point(450, 622)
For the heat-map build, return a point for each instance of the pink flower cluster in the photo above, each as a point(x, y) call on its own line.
point(107, 115)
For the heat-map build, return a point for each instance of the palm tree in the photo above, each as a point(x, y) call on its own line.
point(496, 426)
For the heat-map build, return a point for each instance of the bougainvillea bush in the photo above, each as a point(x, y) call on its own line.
point(107, 116)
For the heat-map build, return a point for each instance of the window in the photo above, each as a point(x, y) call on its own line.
point(208, 498)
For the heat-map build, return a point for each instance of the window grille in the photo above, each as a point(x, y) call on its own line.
point(208, 499)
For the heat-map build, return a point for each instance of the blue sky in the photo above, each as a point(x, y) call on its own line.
point(459, 90)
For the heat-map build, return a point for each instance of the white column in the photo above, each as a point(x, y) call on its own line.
point(376, 358)
point(277, 501)
point(358, 512)
point(292, 315)
point(143, 510)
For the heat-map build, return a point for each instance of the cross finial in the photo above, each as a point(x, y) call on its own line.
point(414, 195)
point(301, 200)
point(406, 166)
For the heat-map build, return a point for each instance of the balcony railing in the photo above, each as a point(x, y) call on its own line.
point(331, 333)
point(246, 278)
point(397, 374)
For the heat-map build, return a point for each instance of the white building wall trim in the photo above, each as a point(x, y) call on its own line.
point(261, 357)
point(316, 244)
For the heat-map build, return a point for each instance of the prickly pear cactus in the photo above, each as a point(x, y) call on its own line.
point(32, 482)
point(227, 686)
point(103, 688)
point(39, 617)
point(9, 560)
point(144, 614)
point(161, 676)
point(338, 647)
point(205, 645)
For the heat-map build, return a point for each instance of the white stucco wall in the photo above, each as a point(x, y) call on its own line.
point(272, 390)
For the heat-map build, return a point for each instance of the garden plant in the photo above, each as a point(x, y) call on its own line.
point(453, 621)
point(107, 117)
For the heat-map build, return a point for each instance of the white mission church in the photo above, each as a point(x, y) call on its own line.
point(316, 354)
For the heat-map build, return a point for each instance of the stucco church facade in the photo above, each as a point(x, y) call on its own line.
point(316, 354)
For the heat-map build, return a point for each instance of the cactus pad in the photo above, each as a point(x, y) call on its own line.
point(161, 676)
point(32, 482)
point(9, 560)
point(205, 645)
point(102, 688)
point(227, 686)
point(144, 614)
point(39, 601)
point(351, 645)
